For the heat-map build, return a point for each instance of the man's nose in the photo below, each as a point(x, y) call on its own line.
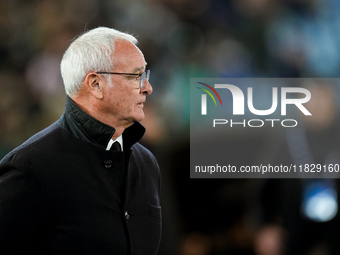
point(147, 88)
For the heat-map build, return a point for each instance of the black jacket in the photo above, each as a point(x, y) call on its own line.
point(61, 192)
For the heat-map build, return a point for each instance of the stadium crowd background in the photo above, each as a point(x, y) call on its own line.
point(181, 39)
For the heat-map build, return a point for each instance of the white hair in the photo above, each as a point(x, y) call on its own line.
point(91, 51)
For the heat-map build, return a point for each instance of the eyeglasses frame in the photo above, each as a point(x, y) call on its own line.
point(145, 74)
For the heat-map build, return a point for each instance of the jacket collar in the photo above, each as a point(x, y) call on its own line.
point(88, 129)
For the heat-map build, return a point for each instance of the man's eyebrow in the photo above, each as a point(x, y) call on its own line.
point(138, 69)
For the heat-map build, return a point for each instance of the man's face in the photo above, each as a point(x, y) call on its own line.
point(125, 100)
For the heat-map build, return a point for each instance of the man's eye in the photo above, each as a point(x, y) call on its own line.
point(134, 77)
point(138, 77)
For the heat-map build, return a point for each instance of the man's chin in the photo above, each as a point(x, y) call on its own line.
point(140, 117)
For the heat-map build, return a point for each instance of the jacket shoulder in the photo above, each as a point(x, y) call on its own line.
point(38, 142)
point(143, 153)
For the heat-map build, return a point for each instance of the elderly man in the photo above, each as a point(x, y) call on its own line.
point(66, 190)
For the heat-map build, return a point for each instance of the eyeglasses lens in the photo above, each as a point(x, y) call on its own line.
point(146, 75)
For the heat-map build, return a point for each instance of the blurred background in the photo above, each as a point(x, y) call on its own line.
point(183, 39)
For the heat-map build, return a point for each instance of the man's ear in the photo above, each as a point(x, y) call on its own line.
point(94, 84)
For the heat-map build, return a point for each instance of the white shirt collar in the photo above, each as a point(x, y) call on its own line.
point(119, 139)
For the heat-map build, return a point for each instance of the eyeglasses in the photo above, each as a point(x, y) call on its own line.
point(142, 76)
